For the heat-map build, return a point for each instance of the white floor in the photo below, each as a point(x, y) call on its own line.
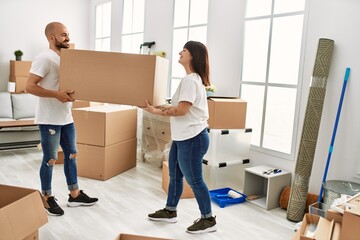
point(125, 201)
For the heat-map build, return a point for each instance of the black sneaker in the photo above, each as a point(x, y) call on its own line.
point(53, 208)
point(164, 215)
point(203, 225)
point(81, 200)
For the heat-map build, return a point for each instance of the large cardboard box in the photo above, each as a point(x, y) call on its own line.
point(105, 125)
point(103, 163)
point(21, 213)
point(111, 77)
point(226, 113)
point(187, 191)
point(20, 83)
point(124, 236)
point(20, 68)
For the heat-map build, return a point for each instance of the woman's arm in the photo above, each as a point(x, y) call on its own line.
point(179, 110)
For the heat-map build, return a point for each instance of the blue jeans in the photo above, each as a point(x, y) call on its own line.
point(185, 160)
point(51, 137)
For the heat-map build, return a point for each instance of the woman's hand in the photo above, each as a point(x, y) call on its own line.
point(149, 108)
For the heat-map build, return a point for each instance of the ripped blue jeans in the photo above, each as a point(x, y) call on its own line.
point(51, 137)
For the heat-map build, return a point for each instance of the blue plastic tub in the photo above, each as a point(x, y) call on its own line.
point(220, 197)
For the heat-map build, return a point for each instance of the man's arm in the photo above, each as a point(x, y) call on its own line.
point(33, 88)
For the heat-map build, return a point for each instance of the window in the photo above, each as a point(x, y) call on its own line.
point(270, 72)
point(190, 23)
point(103, 27)
point(133, 25)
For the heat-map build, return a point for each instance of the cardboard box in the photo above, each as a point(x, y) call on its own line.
point(20, 83)
point(187, 191)
point(103, 163)
point(351, 220)
point(350, 229)
point(112, 77)
point(21, 213)
point(320, 228)
point(20, 68)
point(124, 236)
point(60, 159)
point(105, 125)
point(226, 113)
point(82, 104)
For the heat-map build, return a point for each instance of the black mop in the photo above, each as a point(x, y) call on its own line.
point(300, 185)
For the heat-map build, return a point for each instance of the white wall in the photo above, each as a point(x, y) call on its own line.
point(22, 25)
point(327, 19)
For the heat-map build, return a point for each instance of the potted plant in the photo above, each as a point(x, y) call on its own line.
point(210, 90)
point(18, 55)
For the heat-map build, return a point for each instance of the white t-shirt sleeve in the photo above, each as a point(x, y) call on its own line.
point(40, 66)
point(187, 91)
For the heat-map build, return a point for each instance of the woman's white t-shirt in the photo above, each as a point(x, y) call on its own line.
point(190, 89)
point(50, 110)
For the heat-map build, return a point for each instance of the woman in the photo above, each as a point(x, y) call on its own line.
point(188, 122)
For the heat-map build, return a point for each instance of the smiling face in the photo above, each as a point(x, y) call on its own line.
point(185, 58)
point(61, 37)
point(57, 35)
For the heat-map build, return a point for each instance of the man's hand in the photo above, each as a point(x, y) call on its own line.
point(64, 96)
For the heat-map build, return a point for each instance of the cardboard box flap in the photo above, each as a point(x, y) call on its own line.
point(225, 99)
point(324, 229)
point(138, 237)
point(106, 108)
point(21, 212)
point(355, 205)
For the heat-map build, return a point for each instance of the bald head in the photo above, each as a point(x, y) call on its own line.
point(52, 27)
point(57, 35)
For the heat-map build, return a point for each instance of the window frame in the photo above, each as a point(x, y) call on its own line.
point(295, 131)
point(132, 33)
point(102, 38)
point(188, 27)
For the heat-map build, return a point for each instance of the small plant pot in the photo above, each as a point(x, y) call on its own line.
point(18, 58)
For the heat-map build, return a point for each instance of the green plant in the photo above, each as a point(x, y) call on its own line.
point(18, 53)
point(210, 88)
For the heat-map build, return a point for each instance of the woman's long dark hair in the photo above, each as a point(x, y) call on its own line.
point(200, 60)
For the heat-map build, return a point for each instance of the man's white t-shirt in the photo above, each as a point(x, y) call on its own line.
point(190, 89)
point(50, 110)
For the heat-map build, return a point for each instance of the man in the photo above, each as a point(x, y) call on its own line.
point(54, 118)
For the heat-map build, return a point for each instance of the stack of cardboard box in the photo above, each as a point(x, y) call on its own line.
point(106, 140)
point(19, 72)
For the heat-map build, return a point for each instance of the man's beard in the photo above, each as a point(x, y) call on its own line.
point(60, 45)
